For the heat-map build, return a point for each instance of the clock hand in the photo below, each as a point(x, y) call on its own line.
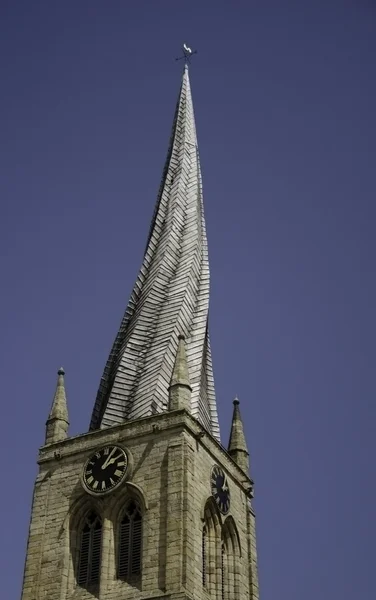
point(111, 462)
point(107, 462)
point(116, 458)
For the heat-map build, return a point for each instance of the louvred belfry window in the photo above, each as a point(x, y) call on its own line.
point(130, 543)
point(90, 551)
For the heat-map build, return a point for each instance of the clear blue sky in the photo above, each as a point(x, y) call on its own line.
point(285, 98)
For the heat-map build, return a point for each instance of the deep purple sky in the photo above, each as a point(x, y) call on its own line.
point(285, 99)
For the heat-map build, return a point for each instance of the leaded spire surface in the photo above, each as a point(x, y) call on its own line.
point(170, 297)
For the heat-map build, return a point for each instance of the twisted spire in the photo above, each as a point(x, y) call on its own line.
point(171, 296)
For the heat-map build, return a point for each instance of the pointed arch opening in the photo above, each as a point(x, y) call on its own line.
point(89, 551)
point(129, 546)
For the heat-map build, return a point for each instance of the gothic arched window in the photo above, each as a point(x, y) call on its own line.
point(88, 569)
point(130, 543)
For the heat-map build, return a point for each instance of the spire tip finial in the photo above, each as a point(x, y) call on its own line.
point(61, 371)
point(187, 54)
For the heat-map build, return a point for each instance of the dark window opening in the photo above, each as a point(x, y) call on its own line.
point(90, 552)
point(130, 544)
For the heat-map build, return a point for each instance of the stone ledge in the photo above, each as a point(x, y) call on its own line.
point(147, 428)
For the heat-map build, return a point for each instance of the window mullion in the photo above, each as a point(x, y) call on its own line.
point(130, 546)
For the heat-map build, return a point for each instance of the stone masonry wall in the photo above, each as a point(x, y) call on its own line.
point(171, 481)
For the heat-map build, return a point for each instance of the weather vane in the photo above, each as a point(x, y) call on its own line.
point(187, 53)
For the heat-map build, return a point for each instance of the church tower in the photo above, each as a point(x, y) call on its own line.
point(148, 503)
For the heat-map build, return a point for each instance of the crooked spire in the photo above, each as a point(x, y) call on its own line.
point(57, 423)
point(237, 446)
point(170, 297)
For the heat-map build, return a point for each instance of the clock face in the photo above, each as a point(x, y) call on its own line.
point(220, 489)
point(105, 470)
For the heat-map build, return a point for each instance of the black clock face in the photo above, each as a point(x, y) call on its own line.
point(105, 470)
point(220, 489)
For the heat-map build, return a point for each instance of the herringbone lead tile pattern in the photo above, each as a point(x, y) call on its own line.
point(170, 297)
